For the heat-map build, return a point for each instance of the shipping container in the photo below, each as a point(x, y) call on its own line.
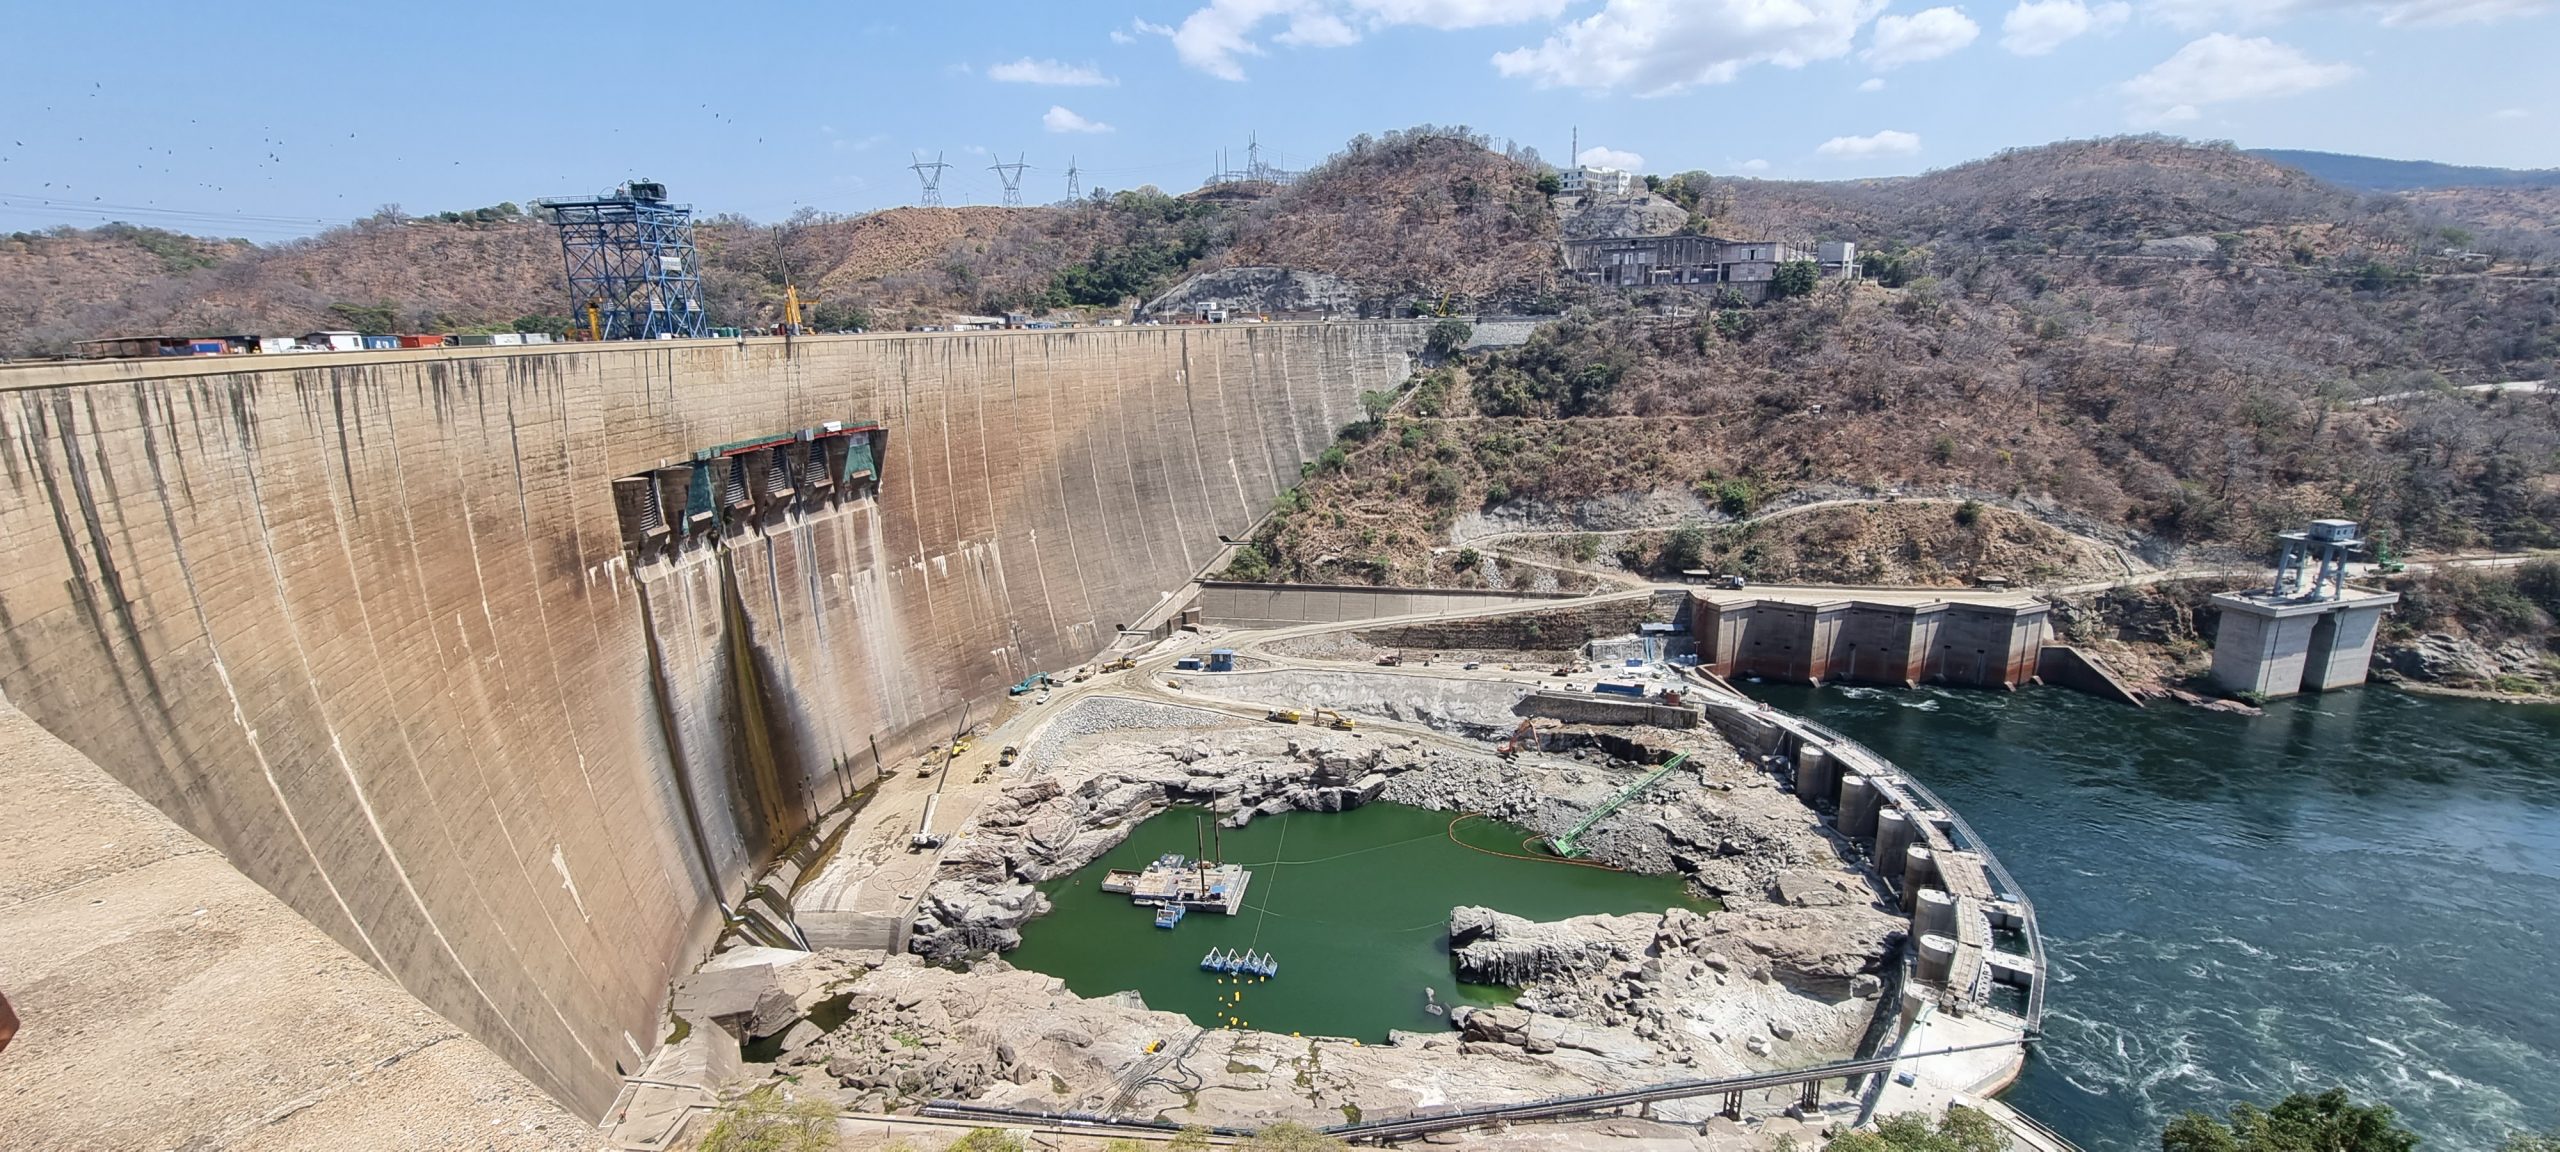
point(380, 343)
point(1635, 690)
point(422, 340)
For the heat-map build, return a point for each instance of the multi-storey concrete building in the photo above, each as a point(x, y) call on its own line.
point(1588, 180)
point(1635, 261)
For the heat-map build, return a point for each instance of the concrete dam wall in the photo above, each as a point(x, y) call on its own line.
point(369, 626)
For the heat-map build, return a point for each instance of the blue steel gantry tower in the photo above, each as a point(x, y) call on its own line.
point(633, 274)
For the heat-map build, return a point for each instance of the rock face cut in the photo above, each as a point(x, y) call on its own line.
point(1490, 947)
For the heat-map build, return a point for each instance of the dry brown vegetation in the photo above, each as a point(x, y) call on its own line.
point(2195, 402)
point(1426, 215)
point(1429, 215)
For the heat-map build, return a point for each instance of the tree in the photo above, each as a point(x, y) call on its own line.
point(2531, 1142)
point(375, 318)
point(1962, 1130)
point(765, 1122)
point(2328, 1122)
point(1685, 549)
point(1549, 183)
point(1288, 1137)
point(1794, 278)
point(833, 317)
point(1449, 336)
point(1376, 402)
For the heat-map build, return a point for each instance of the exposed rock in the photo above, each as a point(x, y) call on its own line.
point(2443, 658)
point(1492, 947)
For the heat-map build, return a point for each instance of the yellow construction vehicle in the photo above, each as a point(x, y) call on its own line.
point(1283, 716)
point(1329, 718)
point(1122, 664)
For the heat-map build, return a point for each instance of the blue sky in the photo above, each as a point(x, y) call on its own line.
point(279, 119)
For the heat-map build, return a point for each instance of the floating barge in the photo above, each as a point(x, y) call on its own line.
point(1175, 883)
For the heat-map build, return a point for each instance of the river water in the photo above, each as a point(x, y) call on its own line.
point(1354, 905)
point(2359, 889)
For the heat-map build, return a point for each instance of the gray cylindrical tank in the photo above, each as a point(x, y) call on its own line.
point(1894, 836)
point(1919, 871)
point(1858, 801)
point(1937, 961)
point(1932, 913)
point(1815, 773)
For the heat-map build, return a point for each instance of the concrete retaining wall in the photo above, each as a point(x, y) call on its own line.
point(1575, 708)
point(365, 622)
point(1239, 605)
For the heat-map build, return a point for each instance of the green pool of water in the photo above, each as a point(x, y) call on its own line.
point(1355, 906)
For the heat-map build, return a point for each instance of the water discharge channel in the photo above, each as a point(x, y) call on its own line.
point(2356, 889)
point(1354, 905)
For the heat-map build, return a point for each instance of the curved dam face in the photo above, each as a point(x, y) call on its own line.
point(368, 623)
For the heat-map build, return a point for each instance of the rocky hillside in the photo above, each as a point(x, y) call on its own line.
point(1429, 215)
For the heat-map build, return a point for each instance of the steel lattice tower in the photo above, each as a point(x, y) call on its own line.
point(931, 176)
point(1011, 174)
point(630, 258)
point(1075, 188)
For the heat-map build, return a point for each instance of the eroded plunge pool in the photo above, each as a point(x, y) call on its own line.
point(1354, 905)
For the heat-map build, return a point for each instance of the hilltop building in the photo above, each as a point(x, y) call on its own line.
point(1747, 265)
point(1590, 180)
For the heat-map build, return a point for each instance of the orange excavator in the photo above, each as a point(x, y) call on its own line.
point(1521, 738)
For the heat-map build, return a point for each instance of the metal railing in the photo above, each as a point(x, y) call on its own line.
point(1549, 1108)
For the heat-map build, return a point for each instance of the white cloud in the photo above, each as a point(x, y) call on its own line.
point(1030, 71)
point(1872, 84)
point(1657, 47)
point(1885, 143)
point(1120, 37)
point(2193, 15)
point(1217, 36)
point(2036, 27)
point(1924, 35)
point(1598, 157)
point(2222, 68)
point(1318, 30)
point(2509, 114)
point(1755, 165)
point(1059, 119)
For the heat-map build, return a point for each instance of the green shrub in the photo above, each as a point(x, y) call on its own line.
point(765, 1122)
point(1969, 513)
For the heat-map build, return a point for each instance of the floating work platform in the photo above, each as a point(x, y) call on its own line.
point(1244, 963)
point(1178, 881)
point(1170, 915)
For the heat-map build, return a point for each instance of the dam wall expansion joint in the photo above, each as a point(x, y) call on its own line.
point(415, 638)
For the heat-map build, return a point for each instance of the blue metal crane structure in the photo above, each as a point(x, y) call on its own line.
point(633, 272)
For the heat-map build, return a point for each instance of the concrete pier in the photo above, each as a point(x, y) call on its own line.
point(2269, 647)
point(1858, 808)
point(1817, 780)
point(1894, 837)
